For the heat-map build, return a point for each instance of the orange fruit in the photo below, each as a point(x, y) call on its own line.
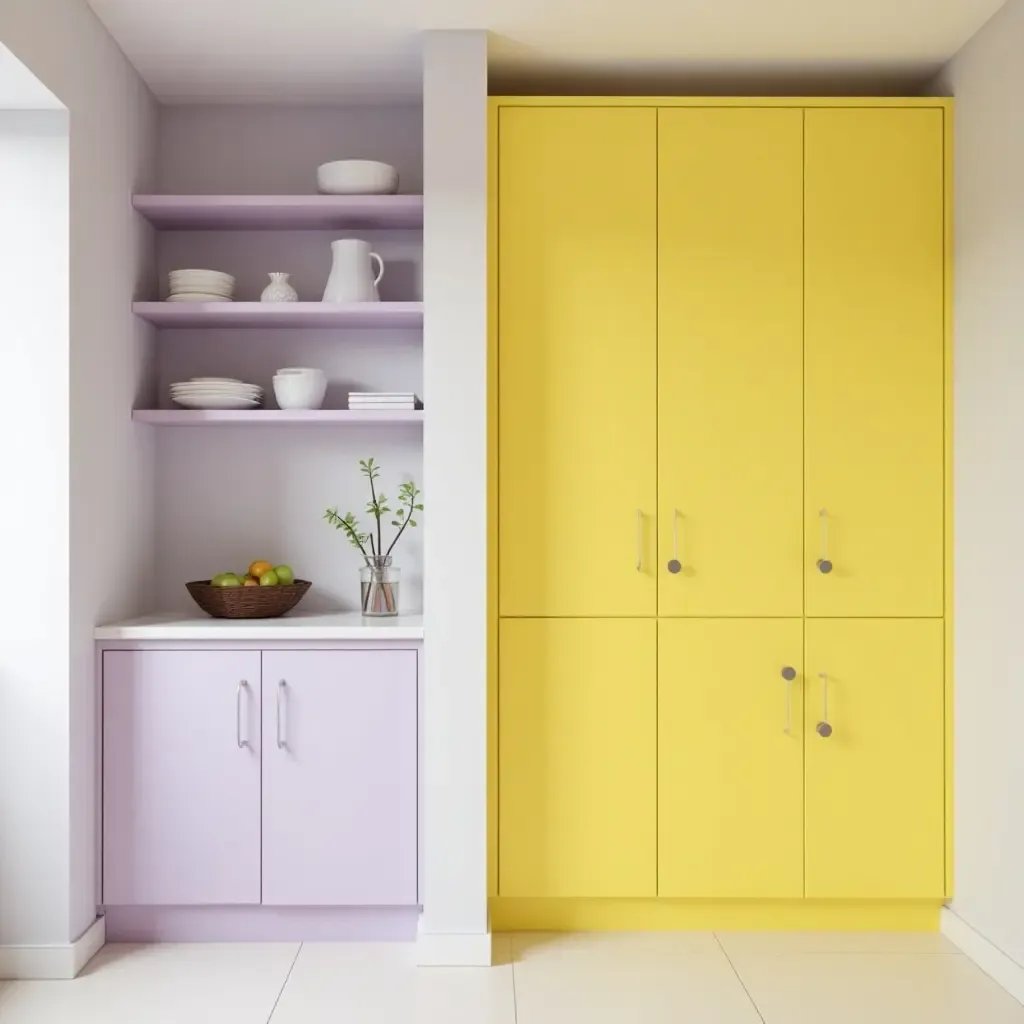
point(257, 569)
point(250, 582)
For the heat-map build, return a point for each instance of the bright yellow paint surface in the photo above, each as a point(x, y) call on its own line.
point(511, 915)
point(874, 788)
point(730, 361)
point(577, 756)
point(730, 776)
point(874, 350)
point(577, 364)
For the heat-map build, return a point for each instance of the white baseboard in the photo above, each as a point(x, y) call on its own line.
point(437, 949)
point(991, 959)
point(52, 963)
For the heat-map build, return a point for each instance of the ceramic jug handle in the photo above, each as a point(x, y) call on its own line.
point(380, 263)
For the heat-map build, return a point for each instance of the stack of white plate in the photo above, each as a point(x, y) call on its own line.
point(216, 393)
point(200, 286)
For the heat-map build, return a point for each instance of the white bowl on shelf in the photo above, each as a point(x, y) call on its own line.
point(304, 390)
point(357, 177)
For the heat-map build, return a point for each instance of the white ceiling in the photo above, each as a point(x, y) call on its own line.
point(366, 51)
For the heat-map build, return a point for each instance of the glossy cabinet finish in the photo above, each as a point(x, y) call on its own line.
point(874, 372)
point(577, 755)
point(181, 798)
point(339, 778)
point(730, 361)
point(875, 799)
point(730, 758)
point(577, 363)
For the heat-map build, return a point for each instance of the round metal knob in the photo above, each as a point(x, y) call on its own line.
point(675, 566)
point(824, 566)
point(789, 673)
point(824, 730)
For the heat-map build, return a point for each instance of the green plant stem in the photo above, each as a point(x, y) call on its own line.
point(401, 529)
point(376, 515)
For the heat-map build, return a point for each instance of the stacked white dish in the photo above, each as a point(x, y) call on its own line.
point(383, 401)
point(300, 387)
point(216, 393)
point(200, 286)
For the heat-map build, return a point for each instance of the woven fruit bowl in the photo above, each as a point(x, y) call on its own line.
point(247, 602)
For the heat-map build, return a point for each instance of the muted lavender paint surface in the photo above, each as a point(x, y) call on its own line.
point(273, 417)
point(181, 799)
point(340, 796)
point(261, 924)
point(280, 314)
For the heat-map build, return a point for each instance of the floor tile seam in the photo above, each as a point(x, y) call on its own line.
point(736, 973)
point(287, 978)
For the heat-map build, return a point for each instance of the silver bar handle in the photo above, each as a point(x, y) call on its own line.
point(823, 563)
point(824, 728)
point(789, 674)
point(281, 740)
point(639, 540)
point(674, 564)
point(238, 715)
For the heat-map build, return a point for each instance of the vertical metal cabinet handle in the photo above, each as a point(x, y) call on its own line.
point(789, 674)
point(281, 741)
point(823, 563)
point(823, 728)
point(674, 565)
point(639, 541)
point(238, 714)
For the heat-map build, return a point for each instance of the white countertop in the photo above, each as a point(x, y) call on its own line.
point(326, 626)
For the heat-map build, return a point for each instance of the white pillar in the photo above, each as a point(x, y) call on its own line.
point(454, 926)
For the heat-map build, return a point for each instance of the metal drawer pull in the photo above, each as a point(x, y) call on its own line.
point(674, 564)
point(281, 741)
point(789, 674)
point(639, 541)
point(238, 715)
point(823, 728)
point(823, 563)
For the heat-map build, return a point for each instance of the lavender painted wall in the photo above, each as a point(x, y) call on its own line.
point(227, 496)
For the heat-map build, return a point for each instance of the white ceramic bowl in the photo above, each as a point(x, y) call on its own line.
point(300, 391)
point(302, 371)
point(357, 177)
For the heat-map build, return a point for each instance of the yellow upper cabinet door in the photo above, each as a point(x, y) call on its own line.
point(577, 361)
point(875, 813)
point(577, 782)
point(874, 362)
point(730, 362)
point(730, 758)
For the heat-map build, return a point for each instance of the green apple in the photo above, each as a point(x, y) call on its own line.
point(285, 576)
point(225, 579)
point(268, 579)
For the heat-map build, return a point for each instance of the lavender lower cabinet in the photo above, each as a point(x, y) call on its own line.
point(339, 778)
point(181, 777)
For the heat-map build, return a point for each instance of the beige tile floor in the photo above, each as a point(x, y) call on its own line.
point(683, 978)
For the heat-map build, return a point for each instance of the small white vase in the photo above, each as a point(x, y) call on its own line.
point(279, 290)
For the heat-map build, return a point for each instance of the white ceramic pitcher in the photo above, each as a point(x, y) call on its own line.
point(352, 277)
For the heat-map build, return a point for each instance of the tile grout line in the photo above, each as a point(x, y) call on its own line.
point(743, 984)
point(287, 977)
point(512, 964)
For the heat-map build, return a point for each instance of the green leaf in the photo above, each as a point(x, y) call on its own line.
point(412, 522)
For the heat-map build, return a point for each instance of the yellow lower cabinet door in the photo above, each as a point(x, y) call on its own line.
point(730, 758)
point(577, 757)
point(874, 756)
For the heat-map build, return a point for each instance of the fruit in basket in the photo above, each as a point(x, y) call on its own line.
point(225, 579)
point(269, 579)
point(249, 581)
point(285, 575)
point(257, 569)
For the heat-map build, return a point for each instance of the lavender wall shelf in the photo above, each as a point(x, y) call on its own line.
point(272, 417)
point(284, 314)
point(280, 212)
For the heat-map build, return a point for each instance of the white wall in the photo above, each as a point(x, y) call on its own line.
point(454, 925)
point(227, 497)
point(97, 543)
point(987, 79)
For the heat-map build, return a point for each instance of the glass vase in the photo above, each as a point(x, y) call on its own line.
point(378, 588)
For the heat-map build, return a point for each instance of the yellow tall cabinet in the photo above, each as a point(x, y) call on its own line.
point(719, 513)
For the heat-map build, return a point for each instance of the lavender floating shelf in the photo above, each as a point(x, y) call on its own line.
point(283, 314)
point(249, 213)
point(272, 417)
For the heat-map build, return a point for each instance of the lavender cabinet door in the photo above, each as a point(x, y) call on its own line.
point(339, 778)
point(181, 777)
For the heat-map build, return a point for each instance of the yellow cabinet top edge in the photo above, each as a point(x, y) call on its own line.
point(940, 102)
